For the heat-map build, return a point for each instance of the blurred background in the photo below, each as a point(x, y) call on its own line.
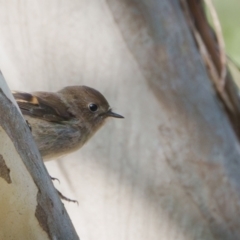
point(123, 193)
point(228, 13)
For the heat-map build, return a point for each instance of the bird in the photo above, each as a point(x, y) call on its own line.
point(62, 122)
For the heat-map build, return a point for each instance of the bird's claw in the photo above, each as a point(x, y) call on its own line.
point(66, 199)
point(53, 179)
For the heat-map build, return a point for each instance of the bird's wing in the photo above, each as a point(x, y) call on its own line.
point(47, 106)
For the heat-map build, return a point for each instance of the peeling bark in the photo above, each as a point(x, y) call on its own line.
point(4, 170)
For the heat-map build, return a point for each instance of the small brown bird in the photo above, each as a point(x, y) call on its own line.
point(64, 121)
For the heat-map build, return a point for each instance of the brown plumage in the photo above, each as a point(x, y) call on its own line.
point(63, 121)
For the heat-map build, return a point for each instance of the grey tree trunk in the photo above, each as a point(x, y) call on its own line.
point(171, 169)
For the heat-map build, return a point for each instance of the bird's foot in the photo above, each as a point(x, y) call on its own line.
point(61, 195)
point(53, 179)
point(65, 198)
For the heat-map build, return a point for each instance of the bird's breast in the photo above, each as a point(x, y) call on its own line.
point(56, 139)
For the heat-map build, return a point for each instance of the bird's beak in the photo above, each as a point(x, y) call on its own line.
point(112, 114)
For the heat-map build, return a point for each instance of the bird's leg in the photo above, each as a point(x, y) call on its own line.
point(53, 179)
point(65, 198)
point(61, 195)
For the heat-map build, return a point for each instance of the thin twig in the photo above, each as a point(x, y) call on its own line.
point(219, 36)
point(212, 71)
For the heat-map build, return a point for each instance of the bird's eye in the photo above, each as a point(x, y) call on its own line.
point(93, 107)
